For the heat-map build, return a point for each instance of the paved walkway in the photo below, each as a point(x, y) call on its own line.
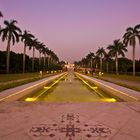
point(69, 89)
point(111, 86)
point(69, 121)
point(18, 90)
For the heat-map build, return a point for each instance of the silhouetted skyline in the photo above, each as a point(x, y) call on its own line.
point(73, 28)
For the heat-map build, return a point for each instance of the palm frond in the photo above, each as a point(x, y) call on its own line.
point(127, 35)
point(130, 29)
point(138, 37)
point(121, 53)
point(137, 27)
point(16, 35)
point(1, 15)
point(6, 22)
point(5, 34)
point(125, 41)
point(13, 21)
point(109, 47)
point(18, 29)
point(13, 39)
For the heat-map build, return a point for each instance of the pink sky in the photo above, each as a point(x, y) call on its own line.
point(73, 28)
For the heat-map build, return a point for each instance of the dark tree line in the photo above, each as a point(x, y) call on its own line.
point(16, 60)
point(12, 34)
point(114, 51)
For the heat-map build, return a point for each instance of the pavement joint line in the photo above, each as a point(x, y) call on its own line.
point(113, 89)
point(22, 91)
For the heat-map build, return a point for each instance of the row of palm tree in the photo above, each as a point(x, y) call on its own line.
point(115, 50)
point(129, 38)
point(12, 34)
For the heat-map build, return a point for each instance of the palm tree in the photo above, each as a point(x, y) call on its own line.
point(46, 52)
point(33, 44)
point(101, 52)
point(107, 59)
point(55, 58)
point(90, 57)
point(84, 62)
point(50, 57)
point(96, 60)
point(130, 38)
point(40, 48)
point(116, 49)
point(10, 33)
point(26, 37)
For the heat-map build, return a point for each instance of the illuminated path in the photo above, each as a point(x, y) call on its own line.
point(77, 88)
point(70, 88)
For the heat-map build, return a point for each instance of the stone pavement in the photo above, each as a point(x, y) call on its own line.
point(21, 120)
point(69, 121)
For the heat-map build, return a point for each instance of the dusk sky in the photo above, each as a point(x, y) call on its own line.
point(72, 28)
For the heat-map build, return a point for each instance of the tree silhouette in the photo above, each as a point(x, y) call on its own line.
point(130, 39)
point(116, 49)
point(10, 33)
point(100, 53)
point(26, 37)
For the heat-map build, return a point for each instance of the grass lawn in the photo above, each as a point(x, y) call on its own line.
point(129, 81)
point(123, 77)
point(132, 82)
point(12, 77)
point(12, 80)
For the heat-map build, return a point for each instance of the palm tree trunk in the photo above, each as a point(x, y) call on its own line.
point(96, 65)
point(33, 59)
point(133, 58)
point(116, 63)
point(39, 60)
point(91, 63)
point(24, 58)
point(107, 67)
point(48, 62)
point(8, 55)
point(44, 61)
point(101, 64)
